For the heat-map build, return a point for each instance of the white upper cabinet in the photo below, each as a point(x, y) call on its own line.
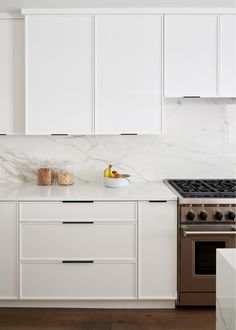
point(227, 55)
point(128, 67)
point(190, 55)
point(11, 76)
point(87, 72)
point(59, 74)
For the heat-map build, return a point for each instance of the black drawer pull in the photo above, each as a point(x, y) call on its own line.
point(77, 261)
point(77, 201)
point(157, 201)
point(77, 222)
point(192, 97)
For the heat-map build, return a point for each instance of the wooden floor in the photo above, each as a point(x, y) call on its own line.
point(99, 319)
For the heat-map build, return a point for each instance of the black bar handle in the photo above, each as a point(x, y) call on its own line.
point(1, 134)
point(77, 261)
point(192, 97)
point(59, 134)
point(129, 133)
point(157, 201)
point(77, 201)
point(77, 222)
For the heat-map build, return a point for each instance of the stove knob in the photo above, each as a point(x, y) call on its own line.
point(202, 215)
point(190, 215)
point(230, 215)
point(218, 215)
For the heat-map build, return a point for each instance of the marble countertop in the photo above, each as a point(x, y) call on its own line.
point(86, 191)
point(229, 255)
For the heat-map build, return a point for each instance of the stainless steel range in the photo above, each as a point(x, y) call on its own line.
point(206, 222)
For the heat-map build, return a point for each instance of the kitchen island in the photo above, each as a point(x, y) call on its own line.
point(226, 289)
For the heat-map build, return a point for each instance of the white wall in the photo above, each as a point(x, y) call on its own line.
point(198, 142)
point(14, 5)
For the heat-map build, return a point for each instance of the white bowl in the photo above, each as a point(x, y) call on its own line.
point(116, 182)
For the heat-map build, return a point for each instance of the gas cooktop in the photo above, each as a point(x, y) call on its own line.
point(210, 188)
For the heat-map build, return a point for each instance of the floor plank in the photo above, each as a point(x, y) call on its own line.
point(53, 319)
point(105, 319)
point(179, 319)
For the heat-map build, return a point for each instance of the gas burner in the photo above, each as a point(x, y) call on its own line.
point(205, 188)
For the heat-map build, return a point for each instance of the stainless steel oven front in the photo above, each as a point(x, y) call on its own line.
point(197, 260)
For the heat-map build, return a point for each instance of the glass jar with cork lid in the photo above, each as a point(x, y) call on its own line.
point(45, 174)
point(65, 174)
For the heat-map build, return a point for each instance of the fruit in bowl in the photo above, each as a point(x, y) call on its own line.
point(113, 179)
point(108, 173)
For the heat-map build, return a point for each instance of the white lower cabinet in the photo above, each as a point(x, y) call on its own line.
point(157, 250)
point(98, 280)
point(8, 251)
point(91, 252)
point(77, 251)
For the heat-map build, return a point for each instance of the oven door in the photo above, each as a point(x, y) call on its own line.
point(198, 255)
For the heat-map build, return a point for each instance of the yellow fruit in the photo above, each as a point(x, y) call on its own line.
point(111, 175)
point(108, 172)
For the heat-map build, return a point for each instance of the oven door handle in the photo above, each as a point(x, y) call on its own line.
point(193, 233)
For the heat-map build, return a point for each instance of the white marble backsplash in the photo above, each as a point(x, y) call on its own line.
point(199, 141)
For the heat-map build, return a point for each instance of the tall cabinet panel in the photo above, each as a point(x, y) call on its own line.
point(190, 55)
point(157, 239)
point(128, 56)
point(228, 55)
point(8, 250)
point(59, 74)
point(11, 76)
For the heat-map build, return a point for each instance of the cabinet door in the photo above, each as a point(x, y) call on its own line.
point(11, 76)
point(8, 250)
point(157, 250)
point(190, 55)
point(228, 55)
point(59, 74)
point(128, 74)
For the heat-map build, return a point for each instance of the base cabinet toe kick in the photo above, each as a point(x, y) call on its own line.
point(88, 254)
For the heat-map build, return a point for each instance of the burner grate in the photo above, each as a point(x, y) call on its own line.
point(209, 188)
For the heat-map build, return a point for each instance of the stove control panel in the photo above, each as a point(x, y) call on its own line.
point(201, 213)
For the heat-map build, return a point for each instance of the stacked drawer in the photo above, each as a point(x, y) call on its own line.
point(78, 250)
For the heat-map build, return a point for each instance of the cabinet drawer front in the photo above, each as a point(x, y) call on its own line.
point(78, 281)
point(96, 240)
point(78, 211)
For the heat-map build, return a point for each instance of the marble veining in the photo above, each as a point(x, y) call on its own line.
point(226, 289)
point(198, 142)
point(138, 191)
